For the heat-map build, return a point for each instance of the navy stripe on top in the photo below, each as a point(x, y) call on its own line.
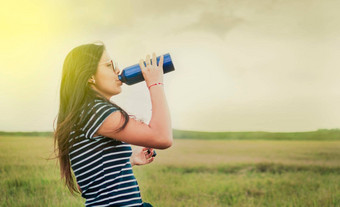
point(101, 164)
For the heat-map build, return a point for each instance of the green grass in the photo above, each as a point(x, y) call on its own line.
point(190, 173)
point(321, 134)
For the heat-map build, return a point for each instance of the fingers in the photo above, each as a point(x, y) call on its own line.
point(145, 149)
point(161, 59)
point(151, 152)
point(147, 60)
point(141, 64)
point(151, 159)
point(148, 152)
point(154, 60)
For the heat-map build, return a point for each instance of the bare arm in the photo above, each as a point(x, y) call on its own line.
point(160, 119)
point(158, 134)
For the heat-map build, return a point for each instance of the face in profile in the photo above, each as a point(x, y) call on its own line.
point(106, 77)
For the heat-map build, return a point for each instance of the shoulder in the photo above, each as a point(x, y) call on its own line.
point(93, 115)
point(95, 107)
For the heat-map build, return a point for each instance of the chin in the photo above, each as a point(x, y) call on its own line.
point(117, 92)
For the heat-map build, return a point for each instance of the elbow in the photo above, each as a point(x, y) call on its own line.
point(166, 143)
point(162, 140)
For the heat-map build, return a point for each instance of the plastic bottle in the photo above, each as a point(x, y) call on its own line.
point(133, 74)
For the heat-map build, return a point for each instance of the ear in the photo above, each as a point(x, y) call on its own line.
point(92, 80)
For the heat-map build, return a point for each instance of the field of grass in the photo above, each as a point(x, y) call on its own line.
point(190, 173)
point(321, 134)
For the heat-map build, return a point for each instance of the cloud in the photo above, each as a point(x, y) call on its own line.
point(216, 23)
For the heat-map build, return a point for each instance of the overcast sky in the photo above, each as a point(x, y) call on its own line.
point(243, 65)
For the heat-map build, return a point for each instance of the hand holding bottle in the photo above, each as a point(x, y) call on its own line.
point(152, 72)
point(133, 74)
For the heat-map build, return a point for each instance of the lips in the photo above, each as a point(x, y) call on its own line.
point(120, 82)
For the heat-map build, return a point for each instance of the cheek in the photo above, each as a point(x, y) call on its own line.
point(106, 79)
point(105, 75)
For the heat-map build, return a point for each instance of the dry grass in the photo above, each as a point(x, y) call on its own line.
point(191, 173)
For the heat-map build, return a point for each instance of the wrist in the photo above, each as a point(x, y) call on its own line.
point(132, 162)
point(155, 84)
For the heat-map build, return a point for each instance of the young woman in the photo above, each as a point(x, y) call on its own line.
point(93, 135)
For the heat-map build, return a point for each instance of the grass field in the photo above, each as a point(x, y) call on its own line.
point(190, 173)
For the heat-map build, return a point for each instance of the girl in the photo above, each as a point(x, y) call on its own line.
point(93, 135)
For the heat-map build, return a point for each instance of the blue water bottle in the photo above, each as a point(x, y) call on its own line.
point(133, 74)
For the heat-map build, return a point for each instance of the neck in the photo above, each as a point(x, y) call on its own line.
point(107, 96)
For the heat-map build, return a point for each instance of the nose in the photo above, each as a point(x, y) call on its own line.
point(116, 68)
point(117, 71)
